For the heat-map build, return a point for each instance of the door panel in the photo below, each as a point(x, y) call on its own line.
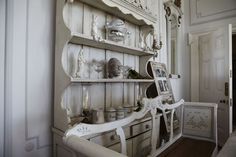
point(219, 73)
point(205, 72)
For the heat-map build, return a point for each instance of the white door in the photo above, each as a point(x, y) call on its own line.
point(215, 81)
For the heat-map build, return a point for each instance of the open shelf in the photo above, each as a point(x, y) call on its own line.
point(78, 38)
point(74, 80)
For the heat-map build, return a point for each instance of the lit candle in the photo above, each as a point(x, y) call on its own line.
point(85, 98)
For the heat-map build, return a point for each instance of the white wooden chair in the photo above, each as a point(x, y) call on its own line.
point(198, 122)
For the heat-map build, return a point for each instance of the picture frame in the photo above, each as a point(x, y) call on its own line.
point(161, 77)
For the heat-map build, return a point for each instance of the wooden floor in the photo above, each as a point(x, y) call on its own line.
point(186, 147)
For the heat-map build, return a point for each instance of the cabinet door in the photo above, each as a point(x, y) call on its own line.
point(142, 145)
point(117, 148)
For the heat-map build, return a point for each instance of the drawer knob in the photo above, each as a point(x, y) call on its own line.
point(113, 137)
point(147, 126)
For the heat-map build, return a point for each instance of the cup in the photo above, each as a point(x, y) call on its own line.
point(128, 109)
point(120, 113)
point(110, 114)
point(98, 116)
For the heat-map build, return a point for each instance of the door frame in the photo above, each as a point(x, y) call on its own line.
point(231, 87)
point(2, 73)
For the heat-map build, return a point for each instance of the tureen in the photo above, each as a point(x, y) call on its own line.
point(116, 30)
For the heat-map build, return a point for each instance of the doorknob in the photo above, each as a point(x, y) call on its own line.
point(222, 101)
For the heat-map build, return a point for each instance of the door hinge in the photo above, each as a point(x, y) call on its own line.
point(230, 74)
point(230, 102)
point(226, 89)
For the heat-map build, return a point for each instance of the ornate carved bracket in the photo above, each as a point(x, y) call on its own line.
point(174, 8)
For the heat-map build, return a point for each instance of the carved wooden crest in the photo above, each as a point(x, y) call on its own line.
point(173, 7)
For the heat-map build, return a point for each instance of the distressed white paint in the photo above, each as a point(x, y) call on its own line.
point(115, 92)
point(2, 73)
point(29, 72)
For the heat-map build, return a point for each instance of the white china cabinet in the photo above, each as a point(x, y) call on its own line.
point(81, 41)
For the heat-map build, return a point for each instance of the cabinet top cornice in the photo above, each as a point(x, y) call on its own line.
point(131, 10)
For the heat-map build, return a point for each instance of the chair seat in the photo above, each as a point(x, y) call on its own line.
point(186, 147)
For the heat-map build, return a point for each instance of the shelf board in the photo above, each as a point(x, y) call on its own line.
point(78, 38)
point(74, 80)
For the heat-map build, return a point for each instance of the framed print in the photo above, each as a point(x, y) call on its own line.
point(162, 89)
point(165, 85)
point(161, 78)
point(158, 73)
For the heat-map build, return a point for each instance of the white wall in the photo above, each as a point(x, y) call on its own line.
point(29, 77)
point(2, 71)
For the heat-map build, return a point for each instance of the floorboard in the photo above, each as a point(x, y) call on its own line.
point(186, 147)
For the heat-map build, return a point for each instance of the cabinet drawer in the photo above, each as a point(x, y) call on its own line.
point(142, 127)
point(110, 138)
point(117, 148)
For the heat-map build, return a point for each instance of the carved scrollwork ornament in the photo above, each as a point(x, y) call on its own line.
point(144, 32)
point(174, 7)
point(168, 11)
point(179, 20)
